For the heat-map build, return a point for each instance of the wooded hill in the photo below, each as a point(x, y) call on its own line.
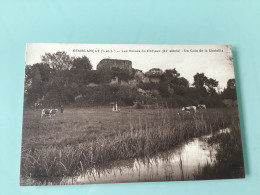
point(61, 79)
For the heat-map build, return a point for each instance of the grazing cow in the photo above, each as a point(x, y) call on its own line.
point(201, 106)
point(189, 109)
point(48, 112)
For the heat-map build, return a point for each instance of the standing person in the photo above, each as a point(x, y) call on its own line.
point(61, 108)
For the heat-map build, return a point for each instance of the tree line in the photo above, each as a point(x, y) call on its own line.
point(61, 79)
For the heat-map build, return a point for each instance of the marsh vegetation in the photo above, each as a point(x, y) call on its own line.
point(91, 141)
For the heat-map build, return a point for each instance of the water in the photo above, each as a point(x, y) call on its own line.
point(180, 163)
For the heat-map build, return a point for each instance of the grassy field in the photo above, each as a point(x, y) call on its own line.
point(85, 139)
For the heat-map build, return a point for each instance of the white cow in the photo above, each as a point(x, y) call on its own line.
point(189, 109)
point(48, 112)
point(201, 106)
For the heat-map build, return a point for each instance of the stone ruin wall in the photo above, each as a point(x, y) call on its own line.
point(106, 64)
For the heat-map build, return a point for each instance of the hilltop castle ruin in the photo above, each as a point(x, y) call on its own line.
point(108, 64)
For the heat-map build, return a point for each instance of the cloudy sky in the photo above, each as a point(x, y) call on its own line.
point(213, 60)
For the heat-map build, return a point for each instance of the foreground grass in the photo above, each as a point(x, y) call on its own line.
point(86, 140)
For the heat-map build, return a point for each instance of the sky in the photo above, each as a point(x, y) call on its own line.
point(213, 60)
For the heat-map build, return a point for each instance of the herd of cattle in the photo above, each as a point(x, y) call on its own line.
point(46, 112)
point(190, 109)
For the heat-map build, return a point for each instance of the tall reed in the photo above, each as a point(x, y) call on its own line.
point(145, 136)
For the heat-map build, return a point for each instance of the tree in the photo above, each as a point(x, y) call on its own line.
point(182, 82)
point(231, 84)
point(211, 84)
point(58, 61)
point(82, 63)
point(37, 79)
point(202, 82)
point(79, 71)
point(171, 83)
point(181, 87)
point(230, 91)
point(171, 73)
point(199, 80)
point(28, 78)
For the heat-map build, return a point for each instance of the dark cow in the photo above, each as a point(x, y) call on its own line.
point(201, 106)
point(48, 112)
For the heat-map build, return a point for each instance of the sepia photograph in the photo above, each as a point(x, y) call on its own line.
point(115, 113)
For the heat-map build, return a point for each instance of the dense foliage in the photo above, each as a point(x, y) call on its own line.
point(61, 79)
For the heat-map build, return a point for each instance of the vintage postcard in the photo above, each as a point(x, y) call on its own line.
point(110, 113)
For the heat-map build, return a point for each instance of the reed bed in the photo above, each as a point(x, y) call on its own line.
point(146, 133)
point(229, 157)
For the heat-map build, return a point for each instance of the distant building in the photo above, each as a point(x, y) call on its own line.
point(154, 72)
point(154, 75)
point(109, 64)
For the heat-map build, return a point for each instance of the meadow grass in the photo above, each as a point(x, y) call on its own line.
point(84, 140)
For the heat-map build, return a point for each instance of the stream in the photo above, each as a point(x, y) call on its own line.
point(179, 163)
